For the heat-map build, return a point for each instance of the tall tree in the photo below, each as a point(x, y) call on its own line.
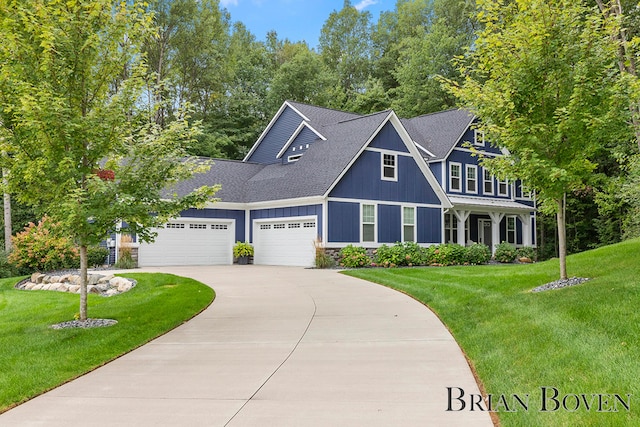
point(89, 152)
point(541, 78)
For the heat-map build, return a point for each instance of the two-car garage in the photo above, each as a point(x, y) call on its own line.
point(197, 241)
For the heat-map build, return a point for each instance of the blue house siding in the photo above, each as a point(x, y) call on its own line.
point(344, 222)
point(363, 181)
point(429, 221)
point(292, 211)
point(276, 137)
point(465, 158)
point(304, 138)
point(468, 138)
point(436, 170)
point(238, 215)
point(388, 139)
point(389, 224)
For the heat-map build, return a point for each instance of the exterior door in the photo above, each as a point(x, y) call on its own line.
point(484, 232)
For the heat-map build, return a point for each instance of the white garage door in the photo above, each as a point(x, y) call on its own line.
point(285, 241)
point(190, 242)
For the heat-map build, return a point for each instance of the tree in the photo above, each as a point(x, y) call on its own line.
point(89, 151)
point(542, 80)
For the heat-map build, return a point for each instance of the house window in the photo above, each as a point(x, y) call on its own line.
point(525, 192)
point(454, 177)
point(472, 179)
point(478, 138)
point(408, 224)
point(294, 158)
point(487, 182)
point(511, 230)
point(450, 228)
point(368, 223)
point(503, 188)
point(389, 167)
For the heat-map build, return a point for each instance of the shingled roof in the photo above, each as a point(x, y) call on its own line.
point(438, 132)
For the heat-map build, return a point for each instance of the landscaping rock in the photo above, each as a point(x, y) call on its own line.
point(89, 323)
point(98, 284)
point(562, 283)
point(37, 277)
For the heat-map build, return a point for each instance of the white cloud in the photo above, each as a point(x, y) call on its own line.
point(365, 3)
point(225, 3)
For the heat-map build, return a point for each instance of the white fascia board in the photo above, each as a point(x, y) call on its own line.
point(283, 203)
point(237, 206)
point(295, 135)
point(270, 125)
point(424, 149)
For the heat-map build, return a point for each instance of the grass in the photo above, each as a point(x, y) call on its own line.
point(35, 358)
point(580, 339)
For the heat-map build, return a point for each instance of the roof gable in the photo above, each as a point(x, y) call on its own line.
point(438, 133)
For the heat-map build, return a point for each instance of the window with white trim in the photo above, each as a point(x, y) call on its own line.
point(503, 187)
point(478, 138)
point(487, 182)
point(368, 223)
point(450, 228)
point(472, 179)
point(294, 158)
point(389, 171)
point(408, 224)
point(511, 230)
point(525, 192)
point(455, 179)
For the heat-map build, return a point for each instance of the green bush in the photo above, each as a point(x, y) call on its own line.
point(42, 248)
point(97, 256)
point(323, 260)
point(7, 269)
point(526, 252)
point(477, 254)
point(505, 252)
point(354, 257)
point(446, 254)
point(408, 253)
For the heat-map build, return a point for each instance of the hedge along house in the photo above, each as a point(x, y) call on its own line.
point(327, 177)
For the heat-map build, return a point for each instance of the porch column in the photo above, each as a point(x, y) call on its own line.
point(496, 217)
point(462, 221)
point(526, 229)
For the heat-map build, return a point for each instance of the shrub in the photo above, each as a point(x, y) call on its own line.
point(42, 248)
point(505, 252)
point(7, 269)
point(241, 249)
point(96, 256)
point(323, 260)
point(446, 254)
point(125, 258)
point(414, 254)
point(354, 257)
point(526, 252)
point(408, 253)
point(477, 254)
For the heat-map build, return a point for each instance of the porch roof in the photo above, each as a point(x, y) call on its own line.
point(486, 204)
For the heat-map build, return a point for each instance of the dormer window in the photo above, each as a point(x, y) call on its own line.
point(478, 138)
point(389, 167)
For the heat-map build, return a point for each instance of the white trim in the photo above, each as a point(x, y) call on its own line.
point(404, 136)
point(386, 151)
point(506, 182)
point(293, 158)
point(287, 218)
point(476, 151)
point(449, 165)
point(382, 202)
point(295, 135)
point(446, 156)
point(325, 222)
point(247, 226)
point(484, 181)
point(515, 229)
point(466, 178)
point(375, 223)
point(394, 178)
point(424, 149)
point(369, 245)
point(476, 142)
point(283, 203)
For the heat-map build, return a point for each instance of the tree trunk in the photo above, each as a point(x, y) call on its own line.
point(562, 238)
point(83, 282)
point(7, 215)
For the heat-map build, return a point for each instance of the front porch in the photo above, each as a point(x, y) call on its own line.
point(490, 222)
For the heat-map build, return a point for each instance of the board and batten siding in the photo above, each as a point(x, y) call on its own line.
point(276, 137)
point(304, 138)
point(343, 222)
point(209, 213)
point(430, 225)
point(388, 139)
point(287, 212)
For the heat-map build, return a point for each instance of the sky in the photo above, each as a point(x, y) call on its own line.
point(295, 20)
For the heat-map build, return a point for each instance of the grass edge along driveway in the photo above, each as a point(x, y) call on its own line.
point(582, 341)
point(36, 358)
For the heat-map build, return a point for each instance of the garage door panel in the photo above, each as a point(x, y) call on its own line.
point(189, 243)
point(286, 241)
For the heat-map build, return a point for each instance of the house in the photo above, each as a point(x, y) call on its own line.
point(317, 176)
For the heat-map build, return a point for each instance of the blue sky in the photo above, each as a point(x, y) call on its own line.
point(295, 20)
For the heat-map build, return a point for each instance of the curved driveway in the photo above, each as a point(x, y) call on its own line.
point(278, 347)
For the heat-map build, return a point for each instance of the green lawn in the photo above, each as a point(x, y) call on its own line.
point(35, 358)
point(583, 339)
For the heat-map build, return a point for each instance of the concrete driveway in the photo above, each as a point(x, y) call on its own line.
point(278, 347)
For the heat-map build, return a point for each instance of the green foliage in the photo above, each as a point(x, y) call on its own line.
point(526, 252)
point(42, 247)
point(7, 268)
point(354, 257)
point(505, 252)
point(241, 249)
point(477, 253)
point(401, 254)
point(125, 260)
point(96, 256)
point(323, 259)
point(446, 254)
